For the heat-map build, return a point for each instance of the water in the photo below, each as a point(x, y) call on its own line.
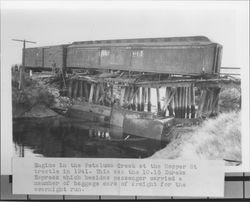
point(64, 137)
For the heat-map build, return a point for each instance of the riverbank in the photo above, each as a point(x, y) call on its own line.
point(39, 95)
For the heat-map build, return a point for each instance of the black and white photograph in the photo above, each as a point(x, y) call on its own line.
point(134, 80)
point(101, 83)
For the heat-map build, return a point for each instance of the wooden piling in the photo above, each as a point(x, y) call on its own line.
point(167, 96)
point(126, 96)
point(158, 100)
point(185, 102)
point(202, 102)
point(122, 96)
point(180, 102)
point(188, 101)
point(176, 103)
point(130, 97)
point(192, 102)
point(145, 98)
point(81, 90)
point(134, 99)
point(86, 91)
point(91, 93)
point(149, 99)
point(111, 95)
point(70, 88)
point(142, 98)
point(97, 93)
point(75, 89)
point(171, 102)
point(138, 100)
point(215, 105)
point(102, 94)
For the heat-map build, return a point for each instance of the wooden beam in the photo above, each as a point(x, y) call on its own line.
point(81, 89)
point(192, 101)
point(75, 89)
point(158, 100)
point(134, 98)
point(149, 99)
point(176, 103)
point(91, 93)
point(122, 96)
point(138, 100)
point(86, 91)
point(188, 101)
point(142, 98)
point(70, 88)
point(97, 93)
point(169, 98)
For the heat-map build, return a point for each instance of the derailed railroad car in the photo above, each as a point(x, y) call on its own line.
point(171, 90)
point(178, 55)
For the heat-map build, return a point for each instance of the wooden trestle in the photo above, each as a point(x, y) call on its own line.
point(182, 99)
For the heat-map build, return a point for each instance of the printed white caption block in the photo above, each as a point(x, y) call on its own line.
point(91, 176)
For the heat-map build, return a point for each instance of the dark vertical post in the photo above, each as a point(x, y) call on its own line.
point(188, 101)
point(134, 99)
point(70, 88)
point(142, 98)
point(86, 91)
point(130, 96)
point(149, 99)
point(170, 106)
point(75, 89)
point(138, 99)
point(111, 95)
point(158, 100)
point(81, 90)
point(97, 93)
point(192, 102)
point(91, 94)
point(123, 90)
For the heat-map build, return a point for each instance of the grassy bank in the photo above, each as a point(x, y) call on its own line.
point(218, 138)
point(32, 94)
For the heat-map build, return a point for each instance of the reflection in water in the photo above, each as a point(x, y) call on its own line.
point(63, 137)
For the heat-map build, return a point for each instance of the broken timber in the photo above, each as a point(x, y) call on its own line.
point(135, 101)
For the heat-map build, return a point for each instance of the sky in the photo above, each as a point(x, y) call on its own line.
point(48, 25)
point(60, 22)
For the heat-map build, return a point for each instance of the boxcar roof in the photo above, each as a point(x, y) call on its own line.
point(173, 41)
point(148, 40)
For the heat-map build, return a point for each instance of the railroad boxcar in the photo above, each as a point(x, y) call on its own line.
point(178, 55)
point(47, 57)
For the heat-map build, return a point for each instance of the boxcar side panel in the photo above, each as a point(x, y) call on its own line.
point(53, 56)
point(115, 56)
point(181, 59)
point(83, 57)
point(178, 60)
point(33, 57)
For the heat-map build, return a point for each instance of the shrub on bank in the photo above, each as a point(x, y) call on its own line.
point(30, 95)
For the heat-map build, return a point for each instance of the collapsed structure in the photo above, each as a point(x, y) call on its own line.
point(140, 85)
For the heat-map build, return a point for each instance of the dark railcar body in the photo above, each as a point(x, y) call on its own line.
point(33, 57)
point(46, 57)
point(179, 55)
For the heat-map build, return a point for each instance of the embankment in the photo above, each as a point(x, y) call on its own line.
point(217, 138)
